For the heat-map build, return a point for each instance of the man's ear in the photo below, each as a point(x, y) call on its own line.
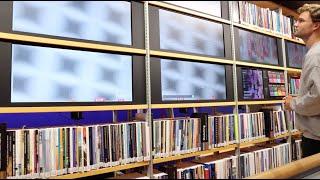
point(316, 26)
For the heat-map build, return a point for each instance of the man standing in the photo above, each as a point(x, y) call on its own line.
point(307, 104)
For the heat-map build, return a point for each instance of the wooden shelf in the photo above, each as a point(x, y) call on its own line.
point(189, 57)
point(69, 108)
point(294, 40)
point(188, 11)
point(68, 43)
point(260, 102)
point(188, 155)
point(259, 65)
point(266, 32)
point(100, 171)
point(257, 29)
point(161, 106)
point(293, 70)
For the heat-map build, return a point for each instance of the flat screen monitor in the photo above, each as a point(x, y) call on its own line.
point(184, 33)
point(276, 77)
point(252, 83)
point(184, 80)
point(43, 74)
point(277, 90)
point(104, 21)
point(258, 48)
point(295, 54)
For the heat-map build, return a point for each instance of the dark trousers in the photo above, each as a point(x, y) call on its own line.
point(309, 147)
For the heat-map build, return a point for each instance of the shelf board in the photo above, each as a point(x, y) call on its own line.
point(257, 29)
point(161, 106)
point(188, 11)
point(260, 102)
point(100, 171)
point(294, 40)
point(69, 43)
point(69, 108)
point(293, 70)
point(296, 133)
point(190, 57)
point(198, 153)
point(259, 65)
point(256, 141)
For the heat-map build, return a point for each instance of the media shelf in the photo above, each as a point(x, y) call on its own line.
point(260, 102)
point(189, 57)
point(259, 65)
point(101, 171)
point(69, 108)
point(184, 105)
point(293, 70)
point(68, 43)
point(257, 29)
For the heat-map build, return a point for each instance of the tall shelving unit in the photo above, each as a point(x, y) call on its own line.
point(148, 106)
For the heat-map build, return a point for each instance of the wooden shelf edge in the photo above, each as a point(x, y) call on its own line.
point(294, 70)
point(69, 108)
point(257, 29)
point(100, 171)
point(69, 43)
point(189, 57)
point(294, 40)
point(188, 11)
point(259, 65)
point(198, 153)
point(260, 102)
point(184, 105)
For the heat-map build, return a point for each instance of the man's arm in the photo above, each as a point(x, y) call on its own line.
point(309, 104)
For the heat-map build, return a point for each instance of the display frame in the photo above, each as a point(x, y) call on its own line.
point(155, 32)
point(156, 88)
point(138, 82)
point(237, 48)
point(287, 54)
point(137, 26)
point(265, 79)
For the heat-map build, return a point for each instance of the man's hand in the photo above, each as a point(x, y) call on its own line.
point(287, 102)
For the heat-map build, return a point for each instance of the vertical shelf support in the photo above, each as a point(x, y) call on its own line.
point(235, 89)
point(148, 84)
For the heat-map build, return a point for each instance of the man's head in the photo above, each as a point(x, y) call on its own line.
point(308, 21)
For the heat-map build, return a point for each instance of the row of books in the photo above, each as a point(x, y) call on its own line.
point(264, 18)
point(294, 85)
point(177, 136)
point(275, 123)
point(222, 130)
point(261, 159)
point(253, 160)
point(291, 116)
point(46, 152)
point(41, 153)
point(252, 126)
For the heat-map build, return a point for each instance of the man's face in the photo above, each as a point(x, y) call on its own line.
point(304, 26)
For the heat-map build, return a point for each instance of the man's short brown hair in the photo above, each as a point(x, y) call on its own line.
point(313, 9)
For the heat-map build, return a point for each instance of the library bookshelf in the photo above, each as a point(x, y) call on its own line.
point(150, 52)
